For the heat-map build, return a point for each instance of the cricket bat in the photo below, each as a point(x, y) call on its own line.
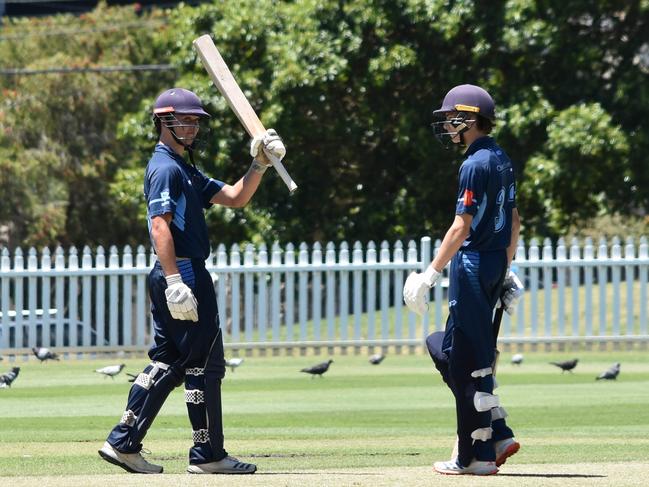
point(227, 85)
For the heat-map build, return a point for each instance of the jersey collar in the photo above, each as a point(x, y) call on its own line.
point(168, 150)
point(481, 143)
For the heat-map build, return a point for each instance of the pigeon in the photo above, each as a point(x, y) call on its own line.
point(233, 363)
point(318, 369)
point(566, 365)
point(9, 377)
point(611, 373)
point(44, 354)
point(517, 358)
point(377, 358)
point(111, 370)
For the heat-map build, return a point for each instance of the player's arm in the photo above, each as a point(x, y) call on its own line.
point(516, 229)
point(164, 243)
point(455, 236)
point(238, 195)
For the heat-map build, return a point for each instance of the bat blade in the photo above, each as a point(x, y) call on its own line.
point(221, 76)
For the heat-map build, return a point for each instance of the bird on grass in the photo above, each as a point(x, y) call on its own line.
point(611, 373)
point(233, 363)
point(318, 369)
point(377, 358)
point(44, 354)
point(9, 377)
point(110, 370)
point(566, 365)
point(517, 358)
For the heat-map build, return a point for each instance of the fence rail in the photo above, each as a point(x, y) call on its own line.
point(311, 298)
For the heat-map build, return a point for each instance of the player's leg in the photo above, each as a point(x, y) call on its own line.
point(204, 370)
point(148, 393)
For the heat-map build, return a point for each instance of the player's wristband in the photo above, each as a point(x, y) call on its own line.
point(258, 167)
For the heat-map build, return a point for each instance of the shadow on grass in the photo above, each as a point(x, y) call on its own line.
point(553, 475)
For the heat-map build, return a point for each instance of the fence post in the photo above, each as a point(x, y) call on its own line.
point(371, 290)
point(629, 274)
point(140, 303)
point(330, 297)
point(357, 261)
point(575, 256)
point(127, 297)
point(316, 260)
point(384, 258)
point(548, 268)
point(534, 289)
point(426, 259)
point(59, 296)
point(46, 289)
point(303, 295)
point(589, 257)
point(235, 306)
point(5, 283)
point(248, 292)
point(398, 293)
point(343, 259)
point(262, 293)
point(289, 310)
point(602, 281)
point(276, 283)
point(643, 254)
point(561, 288)
point(31, 297)
point(100, 298)
point(411, 258)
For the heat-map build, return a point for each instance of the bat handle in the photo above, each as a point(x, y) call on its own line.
point(281, 170)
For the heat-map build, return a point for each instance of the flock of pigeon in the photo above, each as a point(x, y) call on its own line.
point(43, 354)
point(568, 365)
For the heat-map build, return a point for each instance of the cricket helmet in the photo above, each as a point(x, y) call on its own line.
point(179, 100)
point(468, 103)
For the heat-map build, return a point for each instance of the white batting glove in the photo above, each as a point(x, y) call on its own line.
point(180, 299)
point(513, 289)
point(271, 143)
point(416, 288)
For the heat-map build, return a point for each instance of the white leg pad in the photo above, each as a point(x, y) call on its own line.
point(483, 401)
point(482, 372)
point(201, 436)
point(498, 413)
point(482, 434)
point(145, 380)
point(194, 396)
point(128, 418)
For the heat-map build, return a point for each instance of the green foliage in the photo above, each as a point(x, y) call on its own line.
point(350, 86)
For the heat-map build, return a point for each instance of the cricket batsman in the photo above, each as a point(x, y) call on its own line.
point(480, 245)
point(188, 344)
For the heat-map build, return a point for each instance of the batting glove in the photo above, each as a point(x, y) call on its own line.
point(271, 143)
point(180, 299)
point(513, 289)
point(416, 289)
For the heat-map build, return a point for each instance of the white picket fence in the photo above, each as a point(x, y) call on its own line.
point(312, 298)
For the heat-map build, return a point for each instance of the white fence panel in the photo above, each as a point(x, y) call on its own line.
point(97, 302)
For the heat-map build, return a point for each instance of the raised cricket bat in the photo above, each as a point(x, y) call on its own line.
point(227, 85)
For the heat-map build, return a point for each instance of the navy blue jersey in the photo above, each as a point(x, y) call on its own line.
point(487, 192)
point(173, 186)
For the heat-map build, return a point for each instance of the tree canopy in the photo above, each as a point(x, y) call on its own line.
point(350, 85)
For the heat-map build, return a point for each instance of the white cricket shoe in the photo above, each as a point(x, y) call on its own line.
point(505, 449)
point(476, 467)
point(131, 462)
point(227, 465)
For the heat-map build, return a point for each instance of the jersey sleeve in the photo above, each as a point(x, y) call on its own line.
point(164, 191)
point(207, 187)
point(471, 189)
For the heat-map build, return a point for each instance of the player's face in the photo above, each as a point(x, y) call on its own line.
point(188, 127)
point(452, 129)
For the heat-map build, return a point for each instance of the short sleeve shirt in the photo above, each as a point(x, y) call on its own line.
point(487, 191)
point(173, 186)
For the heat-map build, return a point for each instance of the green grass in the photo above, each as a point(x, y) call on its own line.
point(395, 415)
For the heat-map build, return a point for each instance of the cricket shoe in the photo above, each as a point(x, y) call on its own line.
point(505, 449)
point(131, 462)
point(476, 467)
point(227, 465)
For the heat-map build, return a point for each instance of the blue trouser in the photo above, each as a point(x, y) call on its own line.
point(182, 350)
point(475, 283)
